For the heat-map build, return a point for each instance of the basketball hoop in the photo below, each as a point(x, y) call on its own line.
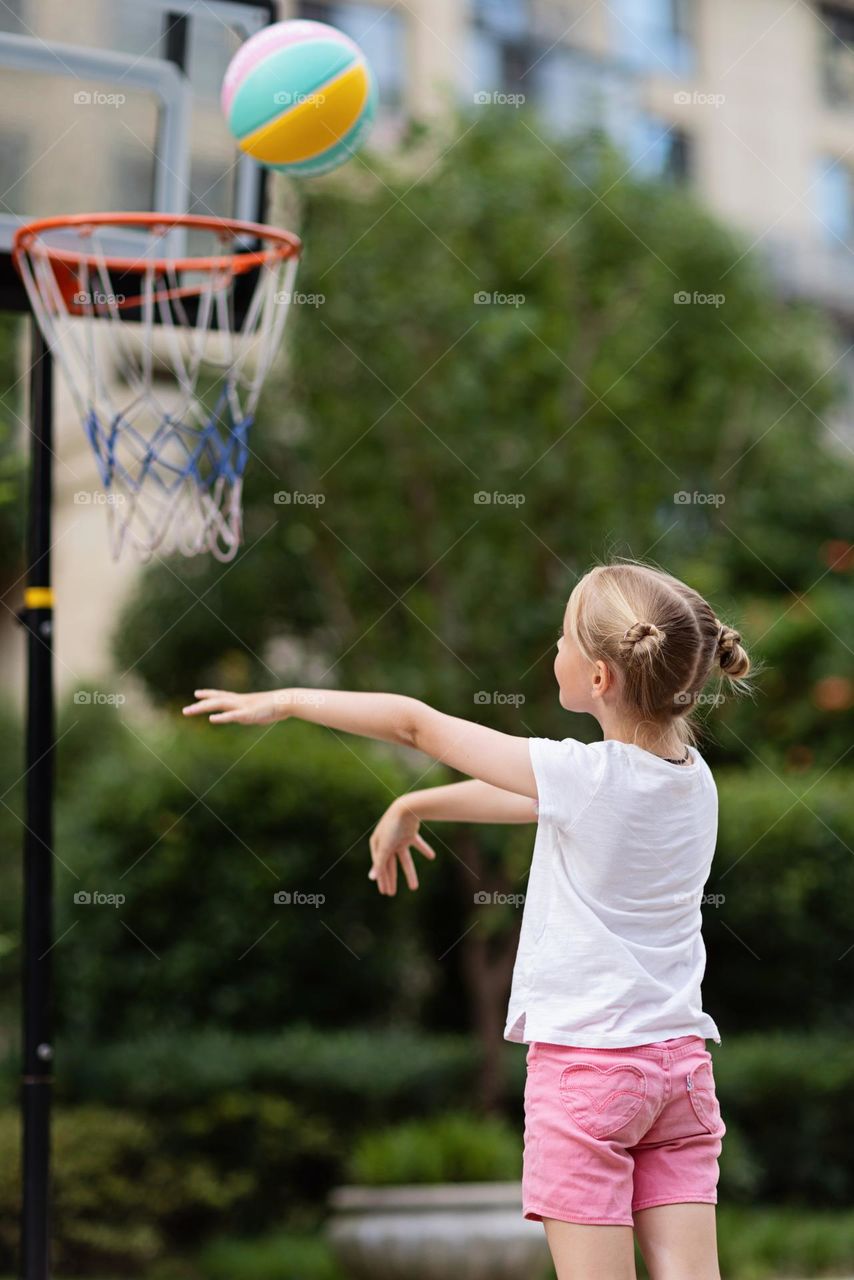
point(165, 357)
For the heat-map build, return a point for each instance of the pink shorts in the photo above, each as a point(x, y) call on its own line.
point(612, 1131)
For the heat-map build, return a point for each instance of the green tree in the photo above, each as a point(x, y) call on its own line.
point(503, 383)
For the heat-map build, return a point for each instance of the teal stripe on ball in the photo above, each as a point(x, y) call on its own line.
point(297, 70)
point(339, 151)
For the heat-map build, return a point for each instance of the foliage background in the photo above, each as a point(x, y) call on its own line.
point(230, 1053)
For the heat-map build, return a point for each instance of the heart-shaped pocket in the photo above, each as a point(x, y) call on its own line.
point(603, 1100)
point(700, 1085)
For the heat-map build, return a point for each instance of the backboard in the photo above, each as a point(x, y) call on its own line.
point(114, 105)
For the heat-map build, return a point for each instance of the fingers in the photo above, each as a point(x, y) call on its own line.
point(385, 862)
point(379, 869)
point(408, 868)
point(388, 875)
point(226, 717)
point(423, 847)
point(219, 701)
point(208, 704)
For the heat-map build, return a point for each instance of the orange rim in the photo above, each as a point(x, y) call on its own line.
point(280, 244)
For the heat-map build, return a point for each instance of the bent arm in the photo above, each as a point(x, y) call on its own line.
point(472, 801)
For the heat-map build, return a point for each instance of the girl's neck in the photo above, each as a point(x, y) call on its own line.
point(665, 742)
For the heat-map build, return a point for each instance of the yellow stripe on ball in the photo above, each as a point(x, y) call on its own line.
point(310, 128)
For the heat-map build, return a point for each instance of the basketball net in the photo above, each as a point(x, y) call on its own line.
point(164, 376)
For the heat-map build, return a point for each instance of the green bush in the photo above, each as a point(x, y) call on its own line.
point(778, 945)
point(119, 1195)
point(284, 1256)
point(354, 1078)
point(287, 1158)
point(197, 828)
point(773, 1085)
point(767, 1244)
point(199, 941)
point(451, 1148)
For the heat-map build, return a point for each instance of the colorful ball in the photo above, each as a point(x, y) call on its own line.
point(299, 96)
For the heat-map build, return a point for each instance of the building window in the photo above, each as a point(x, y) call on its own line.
point(380, 32)
point(658, 150)
point(505, 19)
point(12, 18)
point(654, 35)
point(17, 170)
point(842, 417)
point(133, 28)
point(833, 200)
point(575, 93)
point(837, 69)
point(499, 51)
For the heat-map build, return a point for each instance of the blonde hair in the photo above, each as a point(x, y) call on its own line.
point(661, 636)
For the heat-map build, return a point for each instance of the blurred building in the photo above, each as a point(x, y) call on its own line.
point(748, 102)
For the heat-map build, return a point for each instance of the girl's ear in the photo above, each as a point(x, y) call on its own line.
point(602, 679)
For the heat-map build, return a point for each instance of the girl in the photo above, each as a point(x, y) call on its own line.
point(622, 1124)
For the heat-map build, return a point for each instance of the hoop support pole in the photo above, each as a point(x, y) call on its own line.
point(37, 618)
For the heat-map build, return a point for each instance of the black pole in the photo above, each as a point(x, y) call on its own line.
point(37, 618)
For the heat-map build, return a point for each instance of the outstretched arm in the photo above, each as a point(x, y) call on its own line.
point(500, 759)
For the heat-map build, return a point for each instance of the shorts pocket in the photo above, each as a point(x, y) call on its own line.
point(603, 1100)
point(700, 1086)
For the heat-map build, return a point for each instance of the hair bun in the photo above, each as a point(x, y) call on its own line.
point(732, 659)
point(641, 639)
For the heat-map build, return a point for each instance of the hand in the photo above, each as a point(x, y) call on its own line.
point(239, 708)
point(396, 830)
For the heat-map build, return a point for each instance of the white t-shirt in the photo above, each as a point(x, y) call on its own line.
point(611, 952)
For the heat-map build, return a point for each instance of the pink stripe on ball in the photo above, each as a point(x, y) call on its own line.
point(268, 41)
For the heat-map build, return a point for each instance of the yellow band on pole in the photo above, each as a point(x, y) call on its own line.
point(38, 597)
